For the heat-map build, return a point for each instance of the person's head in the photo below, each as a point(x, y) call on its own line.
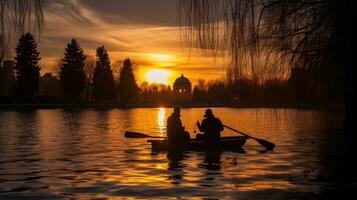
point(177, 111)
point(208, 113)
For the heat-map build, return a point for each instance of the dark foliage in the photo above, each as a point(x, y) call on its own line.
point(128, 89)
point(27, 68)
point(103, 79)
point(156, 94)
point(72, 76)
point(7, 82)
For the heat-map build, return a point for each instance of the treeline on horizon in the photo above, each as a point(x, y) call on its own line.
point(78, 81)
point(82, 83)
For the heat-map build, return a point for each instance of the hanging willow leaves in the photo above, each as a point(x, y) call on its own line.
point(283, 33)
point(16, 18)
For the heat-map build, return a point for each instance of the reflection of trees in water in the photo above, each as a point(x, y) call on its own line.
point(102, 120)
point(129, 118)
point(27, 122)
point(72, 119)
point(73, 137)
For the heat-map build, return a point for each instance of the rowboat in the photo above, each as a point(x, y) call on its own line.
point(225, 143)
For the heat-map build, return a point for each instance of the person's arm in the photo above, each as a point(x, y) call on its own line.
point(182, 129)
point(198, 125)
point(168, 127)
point(220, 127)
point(201, 126)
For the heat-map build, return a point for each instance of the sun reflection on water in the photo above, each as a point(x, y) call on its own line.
point(161, 121)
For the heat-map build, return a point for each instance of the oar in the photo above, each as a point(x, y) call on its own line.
point(131, 134)
point(268, 145)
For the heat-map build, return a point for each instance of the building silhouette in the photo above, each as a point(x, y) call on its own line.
point(182, 89)
point(50, 89)
point(7, 81)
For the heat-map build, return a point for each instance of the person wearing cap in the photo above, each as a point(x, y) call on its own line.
point(175, 130)
point(211, 126)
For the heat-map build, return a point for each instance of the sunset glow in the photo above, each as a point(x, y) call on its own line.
point(162, 57)
point(151, 39)
point(158, 76)
point(163, 60)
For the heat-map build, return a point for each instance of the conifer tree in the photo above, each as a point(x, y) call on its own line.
point(103, 79)
point(128, 89)
point(72, 76)
point(27, 68)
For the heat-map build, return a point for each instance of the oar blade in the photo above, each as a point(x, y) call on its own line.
point(131, 134)
point(268, 145)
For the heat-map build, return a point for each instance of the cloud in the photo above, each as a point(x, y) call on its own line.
point(127, 28)
point(153, 12)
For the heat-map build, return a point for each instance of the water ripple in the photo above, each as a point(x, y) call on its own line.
point(59, 154)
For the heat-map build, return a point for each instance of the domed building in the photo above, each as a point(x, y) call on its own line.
point(182, 89)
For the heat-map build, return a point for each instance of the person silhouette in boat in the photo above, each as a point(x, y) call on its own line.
point(175, 130)
point(211, 127)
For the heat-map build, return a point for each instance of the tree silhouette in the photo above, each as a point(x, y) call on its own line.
point(72, 76)
point(128, 89)
point(27, 68)
point(103, 79)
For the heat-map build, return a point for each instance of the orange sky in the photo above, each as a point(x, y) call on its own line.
point(145, 31)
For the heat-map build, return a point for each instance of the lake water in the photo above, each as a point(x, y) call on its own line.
point(80, 154)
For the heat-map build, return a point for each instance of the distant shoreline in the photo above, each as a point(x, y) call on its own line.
point(193, 105)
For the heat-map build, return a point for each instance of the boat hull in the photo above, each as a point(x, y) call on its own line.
point(225, 143)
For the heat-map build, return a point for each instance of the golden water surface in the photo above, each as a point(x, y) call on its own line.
point(61, 154)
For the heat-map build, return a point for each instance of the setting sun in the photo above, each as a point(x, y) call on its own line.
point(158, 76)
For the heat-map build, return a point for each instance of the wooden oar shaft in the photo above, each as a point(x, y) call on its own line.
point(132, 134)
point(265, 143)
point(238, 131)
